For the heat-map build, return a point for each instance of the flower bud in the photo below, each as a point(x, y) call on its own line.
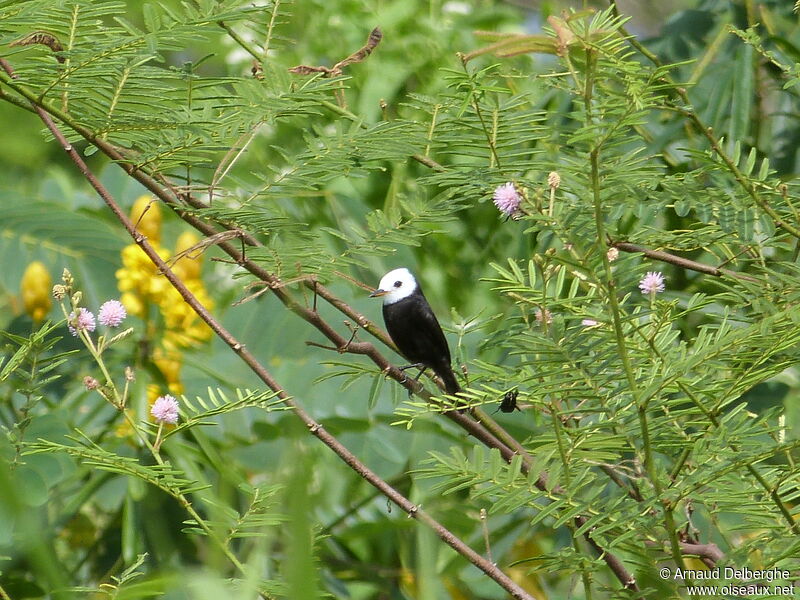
point(35, 288)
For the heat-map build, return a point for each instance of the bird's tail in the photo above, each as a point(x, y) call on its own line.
point(448, 377)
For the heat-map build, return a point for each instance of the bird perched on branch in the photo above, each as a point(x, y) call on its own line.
point(413, 326)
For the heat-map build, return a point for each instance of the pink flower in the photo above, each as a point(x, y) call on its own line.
point(165, 409)
point(111, 313)
point(546, 316)
point(613, 254)
point(652, 283)
point(507, 198)
point(589, 323)
point(83, 320)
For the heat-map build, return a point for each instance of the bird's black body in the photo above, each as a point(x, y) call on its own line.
point(419, 337)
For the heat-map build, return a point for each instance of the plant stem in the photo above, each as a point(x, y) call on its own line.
point(599, 219)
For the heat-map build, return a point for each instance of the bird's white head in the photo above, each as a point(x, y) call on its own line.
point(395, 286)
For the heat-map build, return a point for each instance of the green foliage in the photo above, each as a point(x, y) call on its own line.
point(651, 424)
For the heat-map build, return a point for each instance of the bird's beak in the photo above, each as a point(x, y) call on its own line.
point(378, 293)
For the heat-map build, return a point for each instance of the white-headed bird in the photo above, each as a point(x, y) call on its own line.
point(413, 326)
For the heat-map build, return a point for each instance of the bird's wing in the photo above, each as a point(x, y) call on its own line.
point(435, 333)
point(416, 332)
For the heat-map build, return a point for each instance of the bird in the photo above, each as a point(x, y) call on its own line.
point(413, 327)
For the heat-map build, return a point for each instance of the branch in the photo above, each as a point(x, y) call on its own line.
point(708, 553)
point(359, 55)
point(679, 261)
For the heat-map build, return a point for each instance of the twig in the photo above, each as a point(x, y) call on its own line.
point(709, 552)
point(485, 528)
point(679, 261)
point(359, 55)
point(197, 249)
point(241, 41)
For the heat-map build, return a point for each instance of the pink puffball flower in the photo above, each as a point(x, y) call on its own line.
point(83, 320)
point(165, 410)
point(112, 313)
point(507, 199)
point(652, 283)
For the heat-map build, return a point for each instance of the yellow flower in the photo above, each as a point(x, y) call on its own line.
point(133, 304)
point(124, 429)
point(153, 392)
point(170, 364)
point(187, 267)
point(140, 276)
point(143, 286)
point(184, 327)
point(146, 217)
point(36, 286)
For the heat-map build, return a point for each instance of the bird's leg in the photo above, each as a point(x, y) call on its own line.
point(422, 368)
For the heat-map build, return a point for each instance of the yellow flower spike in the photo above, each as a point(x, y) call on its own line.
point(187, 267)
point(148, 210)
point(140, 277)
point(170, 364)
point(132, 304)
point(124, 429)
point(153, 392)
point(36, 286)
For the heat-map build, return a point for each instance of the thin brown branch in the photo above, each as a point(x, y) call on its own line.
point(615, 564)
point(44, 38)
point(359, 55)
point(706, 552)
point(679, 261)
point(632, 490)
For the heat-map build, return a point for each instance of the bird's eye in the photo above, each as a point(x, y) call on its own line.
point(398, 283)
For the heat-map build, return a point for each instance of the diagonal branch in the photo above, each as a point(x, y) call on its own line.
point(679, 261)
point(373, 40)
